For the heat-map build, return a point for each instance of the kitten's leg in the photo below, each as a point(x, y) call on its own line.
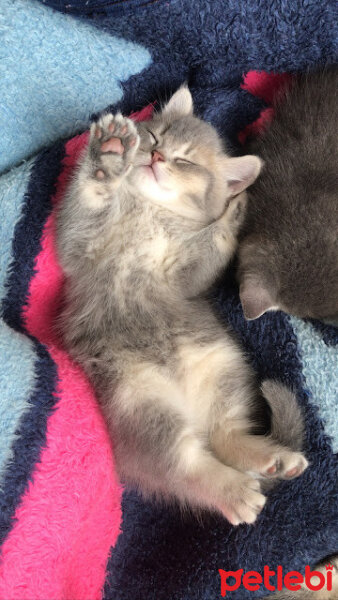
point(157, 449)
point(205, 481)
point(218, 374)
point(95, 190)
point(208, 252)
point(267, 456)
point(257, 454)
point(112, 146)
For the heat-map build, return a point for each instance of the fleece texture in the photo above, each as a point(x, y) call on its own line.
point(68, 518)
point(59, 495)
point(320, 370)
point(17, 379)
point(54, 73)
point(211, 43)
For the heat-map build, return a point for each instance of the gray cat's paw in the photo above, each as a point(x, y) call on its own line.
point(114, 141)
point(235, 211)
point(244, 501)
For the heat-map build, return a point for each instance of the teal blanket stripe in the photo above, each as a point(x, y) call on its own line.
point(17, 378)
point(320, 371)
point(12, 189)
point(17, 356)
point(51, 84)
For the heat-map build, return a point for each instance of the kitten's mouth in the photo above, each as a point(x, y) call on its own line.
point(155, 174)
point(151, 171)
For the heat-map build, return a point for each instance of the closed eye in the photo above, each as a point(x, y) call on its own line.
point(154, 138)
point(183, 161)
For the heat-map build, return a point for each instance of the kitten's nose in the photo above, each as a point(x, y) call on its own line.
point(157, 156)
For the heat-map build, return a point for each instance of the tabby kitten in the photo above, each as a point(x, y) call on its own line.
point(288, 254)
point(149, 222)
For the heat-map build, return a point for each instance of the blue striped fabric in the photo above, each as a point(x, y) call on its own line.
point(27, 373)
point(320, 370)
point(50, 85)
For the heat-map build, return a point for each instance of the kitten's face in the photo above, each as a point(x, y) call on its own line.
point(181, 163)
point(271, 279)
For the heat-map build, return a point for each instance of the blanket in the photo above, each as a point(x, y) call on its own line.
point(61, 532)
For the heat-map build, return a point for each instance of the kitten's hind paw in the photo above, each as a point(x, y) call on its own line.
point(113, 144)
point(243, 501)
point(287, 465)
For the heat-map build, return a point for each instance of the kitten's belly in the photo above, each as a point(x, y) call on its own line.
point(203, 369)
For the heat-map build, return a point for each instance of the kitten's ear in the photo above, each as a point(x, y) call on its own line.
point(180, 103)
point(256, 298)
point(241, 172)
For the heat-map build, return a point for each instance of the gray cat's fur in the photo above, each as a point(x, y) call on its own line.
point(288, 255)
point(149, 222)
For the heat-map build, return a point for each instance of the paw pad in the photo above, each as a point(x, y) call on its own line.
point(293, 472)
point(287, 466)
point(113, 145)
point(272, 470)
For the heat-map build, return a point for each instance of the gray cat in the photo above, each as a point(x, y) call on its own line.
point(288, 255)
point(149, 222)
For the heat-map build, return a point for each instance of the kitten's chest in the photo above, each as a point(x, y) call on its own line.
point(146, 247)
point(157, 254)
point(133, 257)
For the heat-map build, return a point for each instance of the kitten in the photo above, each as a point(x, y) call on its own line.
point(288, 254)
point(149, 222)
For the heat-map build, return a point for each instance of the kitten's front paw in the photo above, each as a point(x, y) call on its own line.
point(113, 144)
point(235, 212)
point(243, 500)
